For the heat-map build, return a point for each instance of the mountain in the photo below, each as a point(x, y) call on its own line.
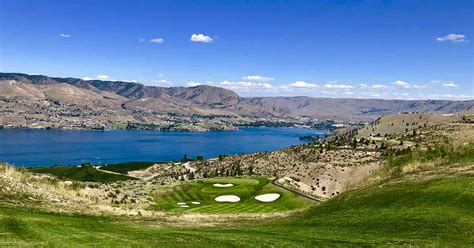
point(42, 101)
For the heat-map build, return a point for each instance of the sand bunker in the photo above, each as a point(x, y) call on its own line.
point(181, 203)
point(195, 203)
point(267, 197)
point(184, 206)
point(223, 185)
point(227, 198)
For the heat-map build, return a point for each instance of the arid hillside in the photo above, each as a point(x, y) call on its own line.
point(38, 101)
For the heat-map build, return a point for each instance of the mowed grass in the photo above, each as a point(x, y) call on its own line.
point(124, 168)
point(246, 189)
point(437, 212)
point(84, 173)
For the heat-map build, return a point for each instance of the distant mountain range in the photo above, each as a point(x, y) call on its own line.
point(42, 101)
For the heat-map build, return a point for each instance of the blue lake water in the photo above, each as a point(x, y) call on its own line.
point(29, 147)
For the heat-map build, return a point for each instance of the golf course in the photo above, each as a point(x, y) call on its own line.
point(201, 197)
point(436, 212)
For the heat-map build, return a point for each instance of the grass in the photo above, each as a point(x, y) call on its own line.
point(439, 155)
point(85, 173)
point(436, 212)
point(245, 188)
point(126, 167)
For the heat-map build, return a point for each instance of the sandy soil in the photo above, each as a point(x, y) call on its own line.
point(227, 198)
point(220, 185)
point(267, 197)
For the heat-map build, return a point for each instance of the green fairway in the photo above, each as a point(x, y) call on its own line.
point(204, 192)
point(85, 173)
point(124, 168)
point(437, 212)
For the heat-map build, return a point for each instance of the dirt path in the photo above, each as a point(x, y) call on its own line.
point(112, 172)
point(274, 182)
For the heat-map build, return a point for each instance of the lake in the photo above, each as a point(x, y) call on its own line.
point(32, 147)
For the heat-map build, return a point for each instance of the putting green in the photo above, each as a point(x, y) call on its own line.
point(167, 198)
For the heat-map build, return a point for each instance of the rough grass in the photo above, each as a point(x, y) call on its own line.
point(124, 168)
point(436, 156)
point(436, 212)
point(246, 188)
point(83, 173)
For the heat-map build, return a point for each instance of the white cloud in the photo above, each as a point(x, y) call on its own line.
point(103, 77)
point(379, 86)
point(452, 38)
point(194, 83)
point(405, 85)
point(257, 78)
point(402, 84)
point(100, 77)
point(164, 82)
point(245, 86)
point(157, 40)
point(64, 35)
point(201, 38)
point(447, 96)
point(302, 84)
point(364, 86)
point(450, 84)
point(338, 86)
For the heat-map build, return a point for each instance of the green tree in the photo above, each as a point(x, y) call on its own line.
point(199, 158)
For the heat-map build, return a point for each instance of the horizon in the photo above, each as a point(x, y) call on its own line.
point(217, 86)
point(357, 50)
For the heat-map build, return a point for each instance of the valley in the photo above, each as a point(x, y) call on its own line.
point(409, 187)
point(36, 101)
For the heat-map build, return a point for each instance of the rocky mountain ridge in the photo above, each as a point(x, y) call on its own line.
point(42, 101)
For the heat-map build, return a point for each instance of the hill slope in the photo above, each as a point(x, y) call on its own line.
point(39, 101)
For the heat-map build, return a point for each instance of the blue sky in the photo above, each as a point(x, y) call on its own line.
point(357, 49)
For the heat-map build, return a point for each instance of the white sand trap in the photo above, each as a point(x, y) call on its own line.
point(196, 203)
point(227, 198)
point(181, 203)
point(267, 197)
point(184, 206)
point(223, 185)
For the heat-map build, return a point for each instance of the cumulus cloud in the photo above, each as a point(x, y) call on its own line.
point(100, 77)
point(256, 78)
point(194, 83)
point(245, 86)
point(402, 84)
point(338, 86)
point(153, 40)
point(405, 85)
point(157, 40)
point(379, 86)
point(452, 38)
point(163, 82)
point(64, 35)
point(450, 84)
point(201, 38)
point(103, 77)
point(302, 84)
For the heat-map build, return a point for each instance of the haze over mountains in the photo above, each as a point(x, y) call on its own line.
point(42, 101)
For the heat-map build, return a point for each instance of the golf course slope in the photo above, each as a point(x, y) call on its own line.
point(437, 212)
point(422, 195)
point(208, 195)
